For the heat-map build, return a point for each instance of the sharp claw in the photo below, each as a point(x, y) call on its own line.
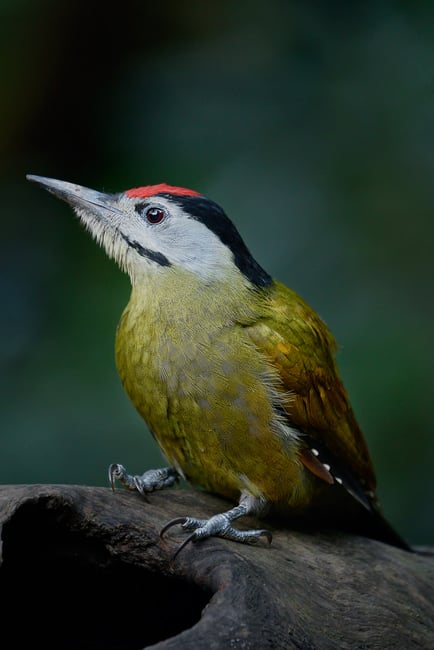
point(140, 489)
point(112, 471)
point(186, 541)
point(267, 534)
point(170, 524)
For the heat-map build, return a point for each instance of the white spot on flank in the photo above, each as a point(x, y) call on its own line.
point(326, 466)
point(315, 452)
point(338, 480)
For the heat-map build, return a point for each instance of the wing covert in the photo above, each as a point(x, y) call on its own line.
point(300, 346)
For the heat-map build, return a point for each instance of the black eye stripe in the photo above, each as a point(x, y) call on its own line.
point(216, 220)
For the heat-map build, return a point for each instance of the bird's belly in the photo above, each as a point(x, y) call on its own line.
point(213, 417)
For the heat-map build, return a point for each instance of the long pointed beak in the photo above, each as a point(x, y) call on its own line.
point(77, 195)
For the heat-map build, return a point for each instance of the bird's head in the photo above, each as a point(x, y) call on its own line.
point(156, 228)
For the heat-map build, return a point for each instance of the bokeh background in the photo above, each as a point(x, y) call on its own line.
point(311, 123)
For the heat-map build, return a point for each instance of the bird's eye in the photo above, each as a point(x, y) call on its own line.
point(155, 215)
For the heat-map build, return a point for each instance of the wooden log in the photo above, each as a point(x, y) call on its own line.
point(82, 567)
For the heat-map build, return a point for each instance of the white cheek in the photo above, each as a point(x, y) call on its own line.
point(191, 245)
point(184, 241)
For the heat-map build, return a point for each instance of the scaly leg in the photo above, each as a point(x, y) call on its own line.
point(154, 479)
point(221, 525)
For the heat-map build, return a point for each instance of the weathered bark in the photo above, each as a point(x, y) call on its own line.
point(82, 567)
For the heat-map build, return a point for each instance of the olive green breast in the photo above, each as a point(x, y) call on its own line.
point(205, 391)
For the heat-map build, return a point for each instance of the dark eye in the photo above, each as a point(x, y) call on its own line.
point(155, 215)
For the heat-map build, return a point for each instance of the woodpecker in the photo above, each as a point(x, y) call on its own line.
point(233, 372)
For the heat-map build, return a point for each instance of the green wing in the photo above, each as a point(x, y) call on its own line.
point(302, 349)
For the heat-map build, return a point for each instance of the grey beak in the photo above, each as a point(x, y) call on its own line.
point(77, 195)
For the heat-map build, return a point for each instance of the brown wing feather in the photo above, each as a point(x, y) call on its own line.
point(301, 347)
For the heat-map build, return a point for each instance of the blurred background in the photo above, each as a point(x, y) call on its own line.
point(311, 123)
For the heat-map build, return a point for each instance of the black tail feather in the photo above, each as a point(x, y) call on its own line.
point(337, 508)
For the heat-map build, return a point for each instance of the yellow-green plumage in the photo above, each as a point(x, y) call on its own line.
point(208, 391)
point(232, 371)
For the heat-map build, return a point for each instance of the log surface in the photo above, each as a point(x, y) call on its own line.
point(82, 567)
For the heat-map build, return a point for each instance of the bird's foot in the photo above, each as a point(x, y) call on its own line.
point(217, 526)
point(153, 479)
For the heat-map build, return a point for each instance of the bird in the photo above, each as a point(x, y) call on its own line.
point(233, 372)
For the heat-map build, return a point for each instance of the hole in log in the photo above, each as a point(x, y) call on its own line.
point(61, 589)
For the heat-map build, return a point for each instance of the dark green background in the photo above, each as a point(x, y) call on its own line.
point(311, 123)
